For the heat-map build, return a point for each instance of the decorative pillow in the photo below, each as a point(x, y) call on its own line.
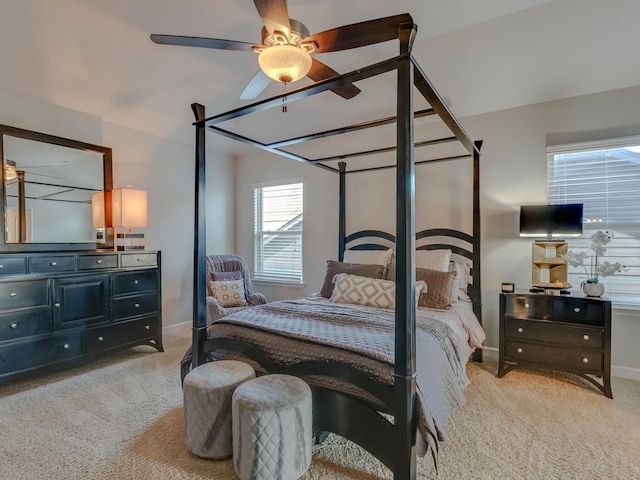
point(333, 268)
point(369, 257)
point(462, 281)
point(228, 293)
point(440, 286)
point(433, 259)
point(227, 275)
point(367, 291)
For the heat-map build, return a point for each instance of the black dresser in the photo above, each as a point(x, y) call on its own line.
point(69, 308)
point(570, 333)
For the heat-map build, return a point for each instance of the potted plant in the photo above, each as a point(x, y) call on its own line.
point(597, 268)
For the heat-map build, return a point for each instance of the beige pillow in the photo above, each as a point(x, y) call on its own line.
point(367, 291)
point(440, 288)
point(433, 259)
point(369, 257)
point(333, 268)
point(228, 293)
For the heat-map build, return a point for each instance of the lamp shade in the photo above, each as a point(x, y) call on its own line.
point(129, 208)
point(284, 63)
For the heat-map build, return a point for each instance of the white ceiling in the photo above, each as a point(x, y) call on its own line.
point(95, 56)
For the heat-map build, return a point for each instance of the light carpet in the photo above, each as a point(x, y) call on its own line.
point(121, 418)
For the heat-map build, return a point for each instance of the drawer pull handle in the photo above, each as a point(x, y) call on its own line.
point(14, 325)
point(98, 262)
point(53, 264)
point(137, 305)
point(585, 360)
point(526, 305)
point(520, 330)
point(66, 346)
point(519, 350)
point(147, 327)
point(57, 305)
point(13, 294)
point(135, 282)
point(586, 337)
point(577, 309)
point(138, 259)
point(100, 339)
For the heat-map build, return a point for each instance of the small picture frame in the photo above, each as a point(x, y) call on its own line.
point(507, 287)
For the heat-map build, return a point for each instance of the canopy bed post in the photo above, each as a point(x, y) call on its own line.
point(199, 244)
point(477, 302)
point(342, 220)
point(405, 316)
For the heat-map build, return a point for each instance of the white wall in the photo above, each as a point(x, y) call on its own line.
point(162, 167)
point(513, 172)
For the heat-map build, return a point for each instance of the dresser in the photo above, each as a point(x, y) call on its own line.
point(64, 309)
point(569, 333)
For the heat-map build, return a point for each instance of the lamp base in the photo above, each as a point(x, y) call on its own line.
point(129, 241)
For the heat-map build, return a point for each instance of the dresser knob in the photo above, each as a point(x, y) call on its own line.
point(577, 309)
point(57, 305)
point(100, 339)
point(135, 282)
point(14, 325)
point(519, 350)
point(586, 337)
point(520, 330)
point(585, 360)
point(13, 294)
point(66, 346)
point(98, 262)
point(526, 305)
point(147, 327)
point(53, 264)
point(137, 305)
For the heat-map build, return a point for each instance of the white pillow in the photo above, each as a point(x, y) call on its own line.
point(228, 293)
point(461, 283)
point(437, 260)
point(368, 257)
point(370, 292)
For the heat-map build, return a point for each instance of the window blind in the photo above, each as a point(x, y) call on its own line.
point(278, 233)
point(605, 178)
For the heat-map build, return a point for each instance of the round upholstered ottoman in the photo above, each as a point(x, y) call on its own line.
point(272, 428)
point(207, 391)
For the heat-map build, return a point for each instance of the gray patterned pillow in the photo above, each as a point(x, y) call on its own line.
point(366, 291)
point(334, 268)
point(440, 288)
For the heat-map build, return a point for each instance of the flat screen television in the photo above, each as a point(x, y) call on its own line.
point(551, 221)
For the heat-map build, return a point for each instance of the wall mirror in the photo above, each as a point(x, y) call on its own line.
point(47, 187)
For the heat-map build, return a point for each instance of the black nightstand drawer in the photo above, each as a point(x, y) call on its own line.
point(47, 350)
point(13, 265)
point(103, 338)
point(32, 293)
point(52, 264)
point(577, 310)
point(548, 332)
point(25, 323)
point(97, 262)
point(133, 282)
point(527, 306)
point(563, 358)
point(135, 305)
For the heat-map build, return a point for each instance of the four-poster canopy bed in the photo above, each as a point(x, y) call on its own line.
point(349, 392)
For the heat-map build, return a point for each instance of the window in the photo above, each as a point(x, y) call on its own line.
point(278, 232)
point(604, 177)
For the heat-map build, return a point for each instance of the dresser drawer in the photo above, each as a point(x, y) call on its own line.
point(578, 310)
point(13, 265)
point(138, 260)
point(52, 264)
point(133, 282)
point(587, 361)
point(120, 334)
point(548, 332)
point(24, 323)
point(135, 305)
point(97, 262)
point(527, 306)
point(43, 351)
point(32, 293)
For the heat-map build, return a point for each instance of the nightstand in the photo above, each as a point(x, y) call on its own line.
point(569, 333)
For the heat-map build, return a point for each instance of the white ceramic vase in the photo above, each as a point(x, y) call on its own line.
point(593, 289)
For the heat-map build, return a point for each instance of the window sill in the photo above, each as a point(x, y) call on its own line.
point(278, 284)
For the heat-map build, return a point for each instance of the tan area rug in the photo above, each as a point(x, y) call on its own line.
point(121, 418)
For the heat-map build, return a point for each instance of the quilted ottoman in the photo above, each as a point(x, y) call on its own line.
point(207, 392)
point(272, 428)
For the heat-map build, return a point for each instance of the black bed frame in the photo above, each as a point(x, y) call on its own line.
point(393, 443)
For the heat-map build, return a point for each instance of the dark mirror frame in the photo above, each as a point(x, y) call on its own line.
point(65, 142)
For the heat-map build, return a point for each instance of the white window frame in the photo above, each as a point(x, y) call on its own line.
point(623, 288)
point(287, 268)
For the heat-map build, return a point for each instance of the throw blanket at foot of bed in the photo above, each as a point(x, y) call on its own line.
point(292, 331)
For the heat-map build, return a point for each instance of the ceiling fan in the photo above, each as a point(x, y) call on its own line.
point(286, 48)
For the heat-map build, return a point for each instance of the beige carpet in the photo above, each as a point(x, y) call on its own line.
point(121, 418)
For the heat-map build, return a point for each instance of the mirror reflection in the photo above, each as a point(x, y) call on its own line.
point(53, 183)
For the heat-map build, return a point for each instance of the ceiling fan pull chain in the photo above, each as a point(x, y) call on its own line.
point(284, 99)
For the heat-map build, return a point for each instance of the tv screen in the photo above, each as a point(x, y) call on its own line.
point(551, 221)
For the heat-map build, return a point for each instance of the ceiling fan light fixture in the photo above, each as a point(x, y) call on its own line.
point(285, 63)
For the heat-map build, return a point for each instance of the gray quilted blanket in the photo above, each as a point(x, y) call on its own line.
point(291, 331)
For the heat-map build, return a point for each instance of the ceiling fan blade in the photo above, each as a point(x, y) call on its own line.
point(319, 71)
point(274, 15)
point(255, 86)
point(359, 34)
point(202, 42)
